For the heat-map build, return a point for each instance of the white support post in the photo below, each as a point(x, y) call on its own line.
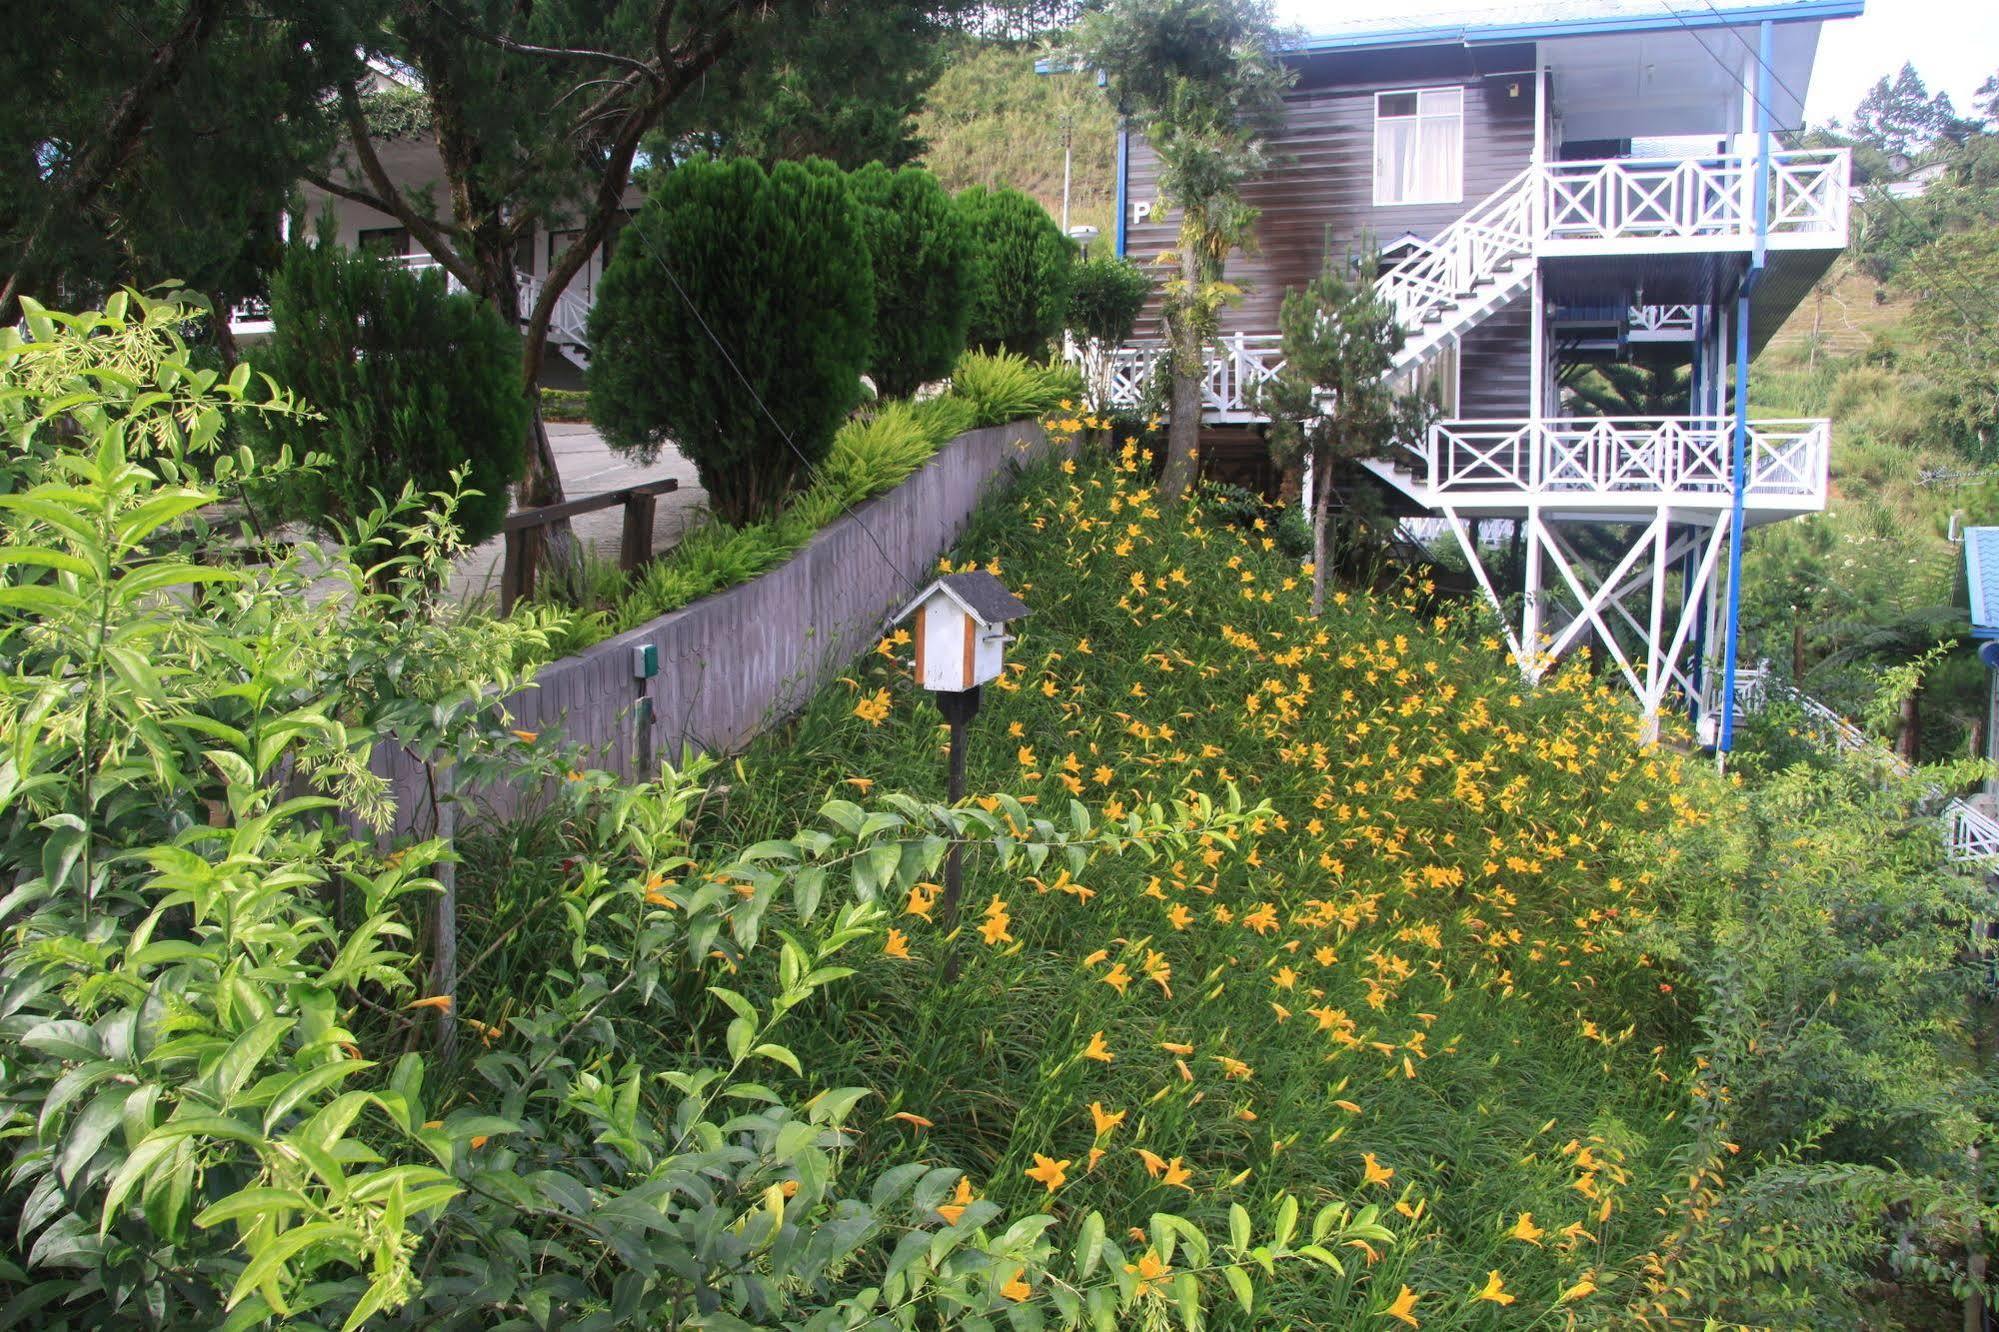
point(1530, 615)
point(1656, 674)
point(1536, 350)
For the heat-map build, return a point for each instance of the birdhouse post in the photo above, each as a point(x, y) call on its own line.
point(959, 628)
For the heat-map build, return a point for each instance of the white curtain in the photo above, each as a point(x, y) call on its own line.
point(1419, 154)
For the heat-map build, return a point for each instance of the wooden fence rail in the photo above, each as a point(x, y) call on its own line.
point(524, 529)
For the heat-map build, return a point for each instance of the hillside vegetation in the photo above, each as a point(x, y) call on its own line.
point(1481, 970)
point(991, 120)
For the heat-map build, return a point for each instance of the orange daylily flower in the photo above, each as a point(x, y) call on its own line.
point(1048, 1172)
point(1403, 1308)
point(960, 1200)
point(1494, 1289)
point(1376, 1173)
point(1105, 1120)
point(1097, 1050)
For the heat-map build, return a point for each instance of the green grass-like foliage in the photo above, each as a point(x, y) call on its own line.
point(239, 1093)
point(1002, 386)
point(872, 453)
point(1471, 969)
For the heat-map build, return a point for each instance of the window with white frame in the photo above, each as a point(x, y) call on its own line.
point(1419, 146)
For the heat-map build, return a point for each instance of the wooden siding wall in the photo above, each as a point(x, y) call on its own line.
point(1320, 191)
point(1496, 365)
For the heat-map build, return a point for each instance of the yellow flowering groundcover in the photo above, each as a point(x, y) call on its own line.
point(1411, 988)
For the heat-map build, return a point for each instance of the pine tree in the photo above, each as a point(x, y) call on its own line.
point(1334, 400)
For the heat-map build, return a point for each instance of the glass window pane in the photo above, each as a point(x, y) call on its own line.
point(1440, 145)
point(1443, 101)
point(1397, 104)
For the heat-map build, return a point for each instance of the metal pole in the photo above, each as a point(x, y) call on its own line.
point(1068, 132)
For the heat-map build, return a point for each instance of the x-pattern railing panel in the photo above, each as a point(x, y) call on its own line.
point(1627, 455)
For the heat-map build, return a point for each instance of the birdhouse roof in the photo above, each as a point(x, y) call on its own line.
point(978, 593)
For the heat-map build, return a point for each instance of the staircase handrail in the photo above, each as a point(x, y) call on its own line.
point(1471, 249)
point(1970, 834)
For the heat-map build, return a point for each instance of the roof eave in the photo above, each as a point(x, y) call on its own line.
point(1804, 11)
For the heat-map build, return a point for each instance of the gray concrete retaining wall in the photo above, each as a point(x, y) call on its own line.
point(733, 663)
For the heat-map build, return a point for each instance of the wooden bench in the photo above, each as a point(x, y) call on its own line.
point(524, 540)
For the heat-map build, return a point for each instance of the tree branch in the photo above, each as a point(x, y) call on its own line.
point(124, 128)
point(427, 231)
point(506, 43)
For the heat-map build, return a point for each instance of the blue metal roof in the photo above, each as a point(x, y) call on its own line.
point(1981, 575)
point(1545, 19)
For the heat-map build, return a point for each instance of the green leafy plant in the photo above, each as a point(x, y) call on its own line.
point(735, 319)
point(1003, 387)
point(924, 275)
point(1024, 266)
point(211, 1112)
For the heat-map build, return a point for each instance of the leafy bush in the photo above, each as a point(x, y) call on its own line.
point(924, 275)
point(213, 1110)
point(1024, 272)
point(1107, 296)
point(1003, 387)
point(565, 405)
point(410, 382)
point(735, 319)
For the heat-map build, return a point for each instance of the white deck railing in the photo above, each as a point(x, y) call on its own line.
point(1235, 366)
point(1683, 456)
point(1611, 205)
point(1701, 199)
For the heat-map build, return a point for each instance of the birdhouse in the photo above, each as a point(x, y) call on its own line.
point(960, 630)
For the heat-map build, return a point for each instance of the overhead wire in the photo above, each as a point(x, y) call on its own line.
point(811, 468)
point(1982, 325)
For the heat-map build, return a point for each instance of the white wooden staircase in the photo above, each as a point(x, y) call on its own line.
point(1471, 268)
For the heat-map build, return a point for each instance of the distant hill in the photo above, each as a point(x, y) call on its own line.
point(991, 120)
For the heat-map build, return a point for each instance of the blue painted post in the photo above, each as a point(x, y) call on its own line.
point(1731, 636)
point(1763, 127)
point(1123, 168)
point(1740, 480)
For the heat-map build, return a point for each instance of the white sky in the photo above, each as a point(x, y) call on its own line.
point(1954, 43)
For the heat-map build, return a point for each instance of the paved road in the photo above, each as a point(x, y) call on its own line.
point(589, 467)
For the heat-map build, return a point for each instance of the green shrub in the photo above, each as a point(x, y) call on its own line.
point(1024, 270)
point(1106, 297)
point(924, 275)
point(411, 382)
point(565, 405)
point(1003, 387)
point(878, 451)
point(735, 320)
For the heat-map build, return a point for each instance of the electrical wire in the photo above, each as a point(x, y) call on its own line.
point(1983, 325)
point(811, 468)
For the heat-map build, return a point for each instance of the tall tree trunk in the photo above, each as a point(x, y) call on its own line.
point(1910, 741)
point(1183, 434)
point(1322, 526)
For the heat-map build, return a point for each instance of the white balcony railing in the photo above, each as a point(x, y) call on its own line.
point(1689, 457)
point(1672, 202)
point(1235, 365)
